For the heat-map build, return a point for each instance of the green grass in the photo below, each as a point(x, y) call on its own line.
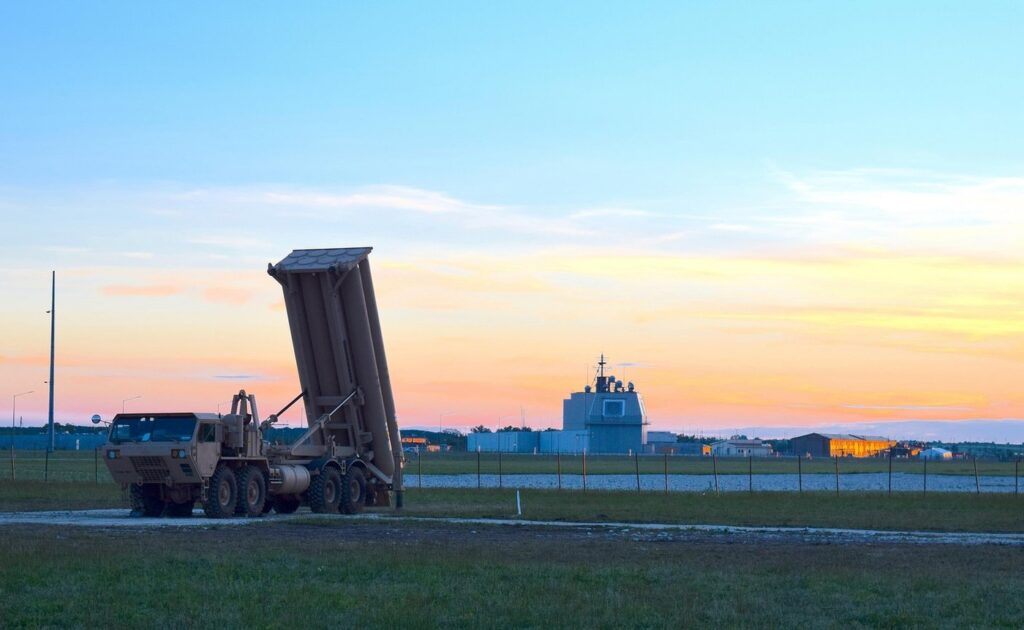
point(946, 512)
point(56, 495)
point(59, 466)
point(346, 576)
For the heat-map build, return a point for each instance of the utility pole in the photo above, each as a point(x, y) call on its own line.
point(440, 420)
point(14, 405)
point(53, 328)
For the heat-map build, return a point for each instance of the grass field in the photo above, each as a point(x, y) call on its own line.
point(950, 512)
point(392, 573)
point(412, 576)
point(84, 466)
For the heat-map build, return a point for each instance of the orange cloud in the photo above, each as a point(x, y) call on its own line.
point(226, 295)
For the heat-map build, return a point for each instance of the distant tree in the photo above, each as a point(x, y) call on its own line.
point(479, 429)
point(510, 428)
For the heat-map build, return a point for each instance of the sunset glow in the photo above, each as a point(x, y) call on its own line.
point(739, 273)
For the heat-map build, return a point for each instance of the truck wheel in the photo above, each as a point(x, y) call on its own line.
point(222, 495)
point(353, 491)
point(286, 505)
point(145, 500)
point(252, 492)
point(325, 491)
point(180, 510)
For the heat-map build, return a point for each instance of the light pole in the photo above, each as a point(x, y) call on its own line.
point(14, 406)
point(440, 416)
point(500, 418)
point(127, 399)
point(53, 336)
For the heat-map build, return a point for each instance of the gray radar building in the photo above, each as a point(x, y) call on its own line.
point(606, 417)
point(610, 413)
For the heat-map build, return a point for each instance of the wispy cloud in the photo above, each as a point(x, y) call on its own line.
point(152, 290)
point(229, 241)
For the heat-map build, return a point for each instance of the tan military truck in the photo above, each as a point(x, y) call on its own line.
point(349, 457)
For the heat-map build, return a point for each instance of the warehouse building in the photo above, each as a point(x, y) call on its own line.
point(936, 453)
point(741, 448)
point(504, 441)
point(840, 445)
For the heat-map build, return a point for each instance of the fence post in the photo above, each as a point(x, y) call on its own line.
point(584, 470)
point(890, 473)
point(977, 482)
point(714, 464)
point(499, 469)
point(558, 465)
point(837, 474)
point(666, 473)
point(925, 491)
point(46, 469)
point(478, 468)
point(419, 465)
point(13, 469)
point(96, 462)
point(1016, 478)
point(799, 474)
point(636, 464)
point(750, 474)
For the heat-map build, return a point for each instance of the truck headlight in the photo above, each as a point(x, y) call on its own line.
point(112, 454)
point(179, 453)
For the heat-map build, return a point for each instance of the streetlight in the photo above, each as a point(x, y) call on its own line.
point(440, 416)
point(127, 399)
point(14, 406)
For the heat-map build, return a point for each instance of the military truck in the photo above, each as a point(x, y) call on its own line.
point(349, 457)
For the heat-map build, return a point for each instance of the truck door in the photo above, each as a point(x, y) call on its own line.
point(208, 441)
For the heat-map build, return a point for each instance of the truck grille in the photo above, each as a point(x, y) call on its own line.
point(151, 469)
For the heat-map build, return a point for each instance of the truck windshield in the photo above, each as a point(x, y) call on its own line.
point(152, 429)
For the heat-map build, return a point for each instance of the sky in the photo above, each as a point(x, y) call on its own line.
point(764, 214)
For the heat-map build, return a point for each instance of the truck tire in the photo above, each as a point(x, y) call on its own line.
point(222, 495)
point(286, 504)
point(353, 491)
point(145, 500)
point(252, 492)
point(180, 510)
point(325, 491)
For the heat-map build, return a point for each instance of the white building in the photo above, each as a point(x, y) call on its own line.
point(741, 448)
point(935, 453)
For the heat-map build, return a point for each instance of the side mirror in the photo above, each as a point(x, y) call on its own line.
point(96, 419)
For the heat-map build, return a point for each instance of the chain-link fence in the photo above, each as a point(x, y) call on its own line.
point(674, 473)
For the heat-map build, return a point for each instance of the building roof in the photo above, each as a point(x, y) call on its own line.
point(741, 443)
point(847, 436)
point(323, 259)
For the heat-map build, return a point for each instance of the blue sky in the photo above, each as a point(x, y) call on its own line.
point(527, 103)
point(840, 179)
